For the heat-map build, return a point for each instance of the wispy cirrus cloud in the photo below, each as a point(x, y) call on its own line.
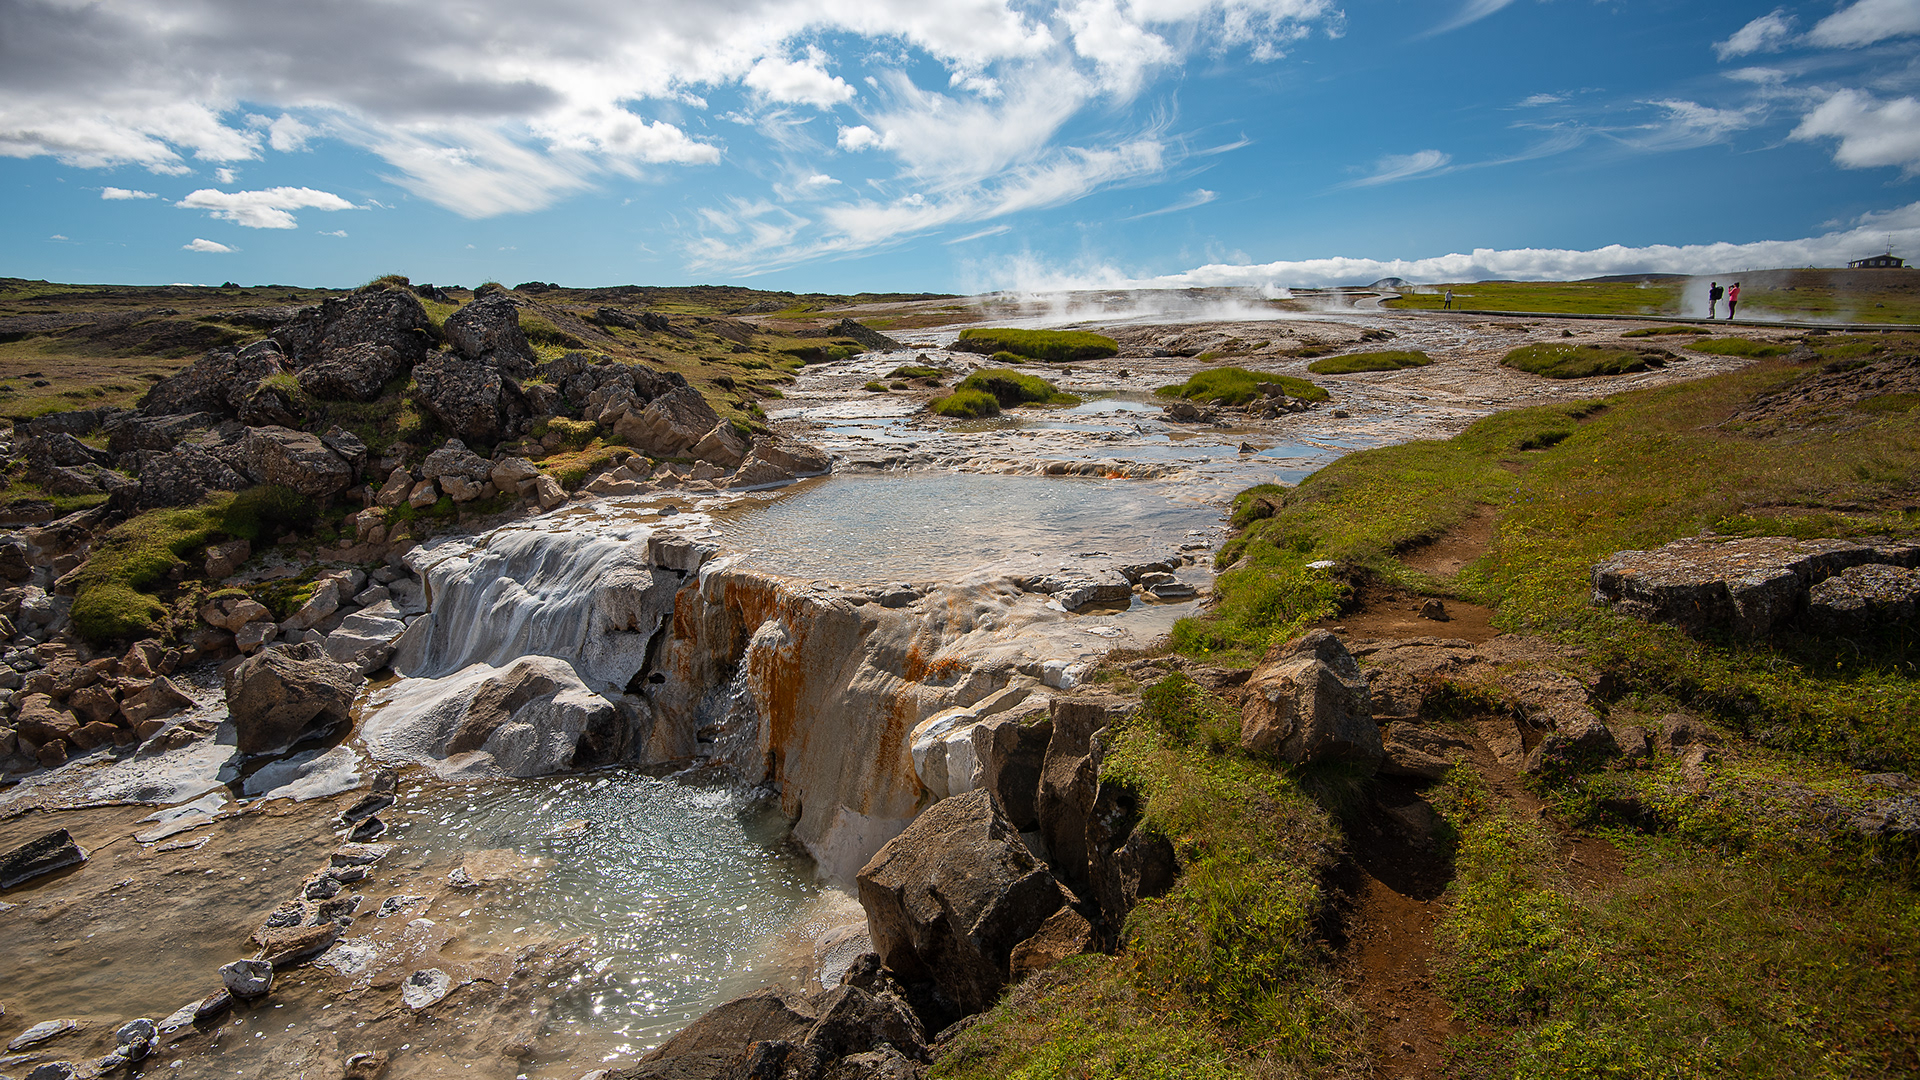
point(1768, 33)
point(1396, 167)
point(1196, 197)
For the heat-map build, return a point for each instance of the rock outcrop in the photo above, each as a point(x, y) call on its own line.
point(529, 718)
point(948, 900)
point(1747, 586)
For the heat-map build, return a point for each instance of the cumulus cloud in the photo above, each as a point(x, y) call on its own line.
point(1402, 167)
point(1868, 233)
point(211, 247)
point(861, 137)
point(514, 107)
point(267, 209)
point(1872, 133)
point(114, 193)
point(800, 82)
point(1768, 33)
point(1866, 22)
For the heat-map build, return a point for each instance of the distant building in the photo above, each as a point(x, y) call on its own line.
point(1878, 262)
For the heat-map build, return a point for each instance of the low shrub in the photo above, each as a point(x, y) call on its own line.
point(1054, 345)
point(1583, 361)
point(916, 371)
point(967, 405)
point(267, 511)
point(1369, 361)
point(1237, 386)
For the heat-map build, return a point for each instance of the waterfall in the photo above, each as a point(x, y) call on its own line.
point(593, 601)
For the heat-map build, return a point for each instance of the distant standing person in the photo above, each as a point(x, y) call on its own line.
point(1733, 300)
point(1448, 306)
point(1714, 292)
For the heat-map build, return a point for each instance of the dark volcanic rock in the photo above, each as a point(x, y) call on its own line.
point(295, 459)
point(465, 395)
point(379, 317)
point(129, 432)
point(183, 476)
point(54, 851)
point(354, 372)
point(488, 330)
point(948, 899)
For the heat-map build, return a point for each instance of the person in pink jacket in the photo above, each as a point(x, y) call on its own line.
point(1733, 300)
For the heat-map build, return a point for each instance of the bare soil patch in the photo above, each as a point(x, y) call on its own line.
point(1381, 613)
point(1445, 556)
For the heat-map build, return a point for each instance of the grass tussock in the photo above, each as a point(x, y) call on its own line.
point(1238, 386)
point(1012, 388)
point(1738, 346)
point(1582, 361)
point(1060, 346)
point(1353, 363)
point(967, 405)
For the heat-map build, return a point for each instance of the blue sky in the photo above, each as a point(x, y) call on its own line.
point(951, 145)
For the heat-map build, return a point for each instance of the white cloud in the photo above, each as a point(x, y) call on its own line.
point(225, 176)
point(1867, 22)
point(1536, 100)
point(333, 232)
point(1196, 197)
point(1869, 233)
point(819, 180)
point(513, 107)
point(57, 236)
point(1759, 76)
point(266, 209)
point(114, 193)
point(861, 137)
point(1688, 124)
point(287, 134)
point(992, 230)
point(1394, 167)
point(1872, 133)
point(800, 82)
point(1768, 33)
point(209, 246)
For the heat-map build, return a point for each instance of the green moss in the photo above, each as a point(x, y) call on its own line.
point(1238, 386)
point(1570, 361)
point(967, 405)
point(1055, 345)
point(1369, 361)
point(116, 589)
point(875, 386)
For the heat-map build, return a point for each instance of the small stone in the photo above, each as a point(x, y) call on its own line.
point(53, 851)
point(322, 888)
point(212, 1005)
point(247, 978)
point(360, 854)
point(41, 1032)
point(1435, 610)
point(369, 829)
point(53, 1070)
point(425, 988)
point(133, 1031)
point(394, 905)
point(368, 806)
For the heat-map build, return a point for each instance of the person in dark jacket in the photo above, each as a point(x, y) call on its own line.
point(1714, 293)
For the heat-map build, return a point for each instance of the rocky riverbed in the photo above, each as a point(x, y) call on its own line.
point(389, 792)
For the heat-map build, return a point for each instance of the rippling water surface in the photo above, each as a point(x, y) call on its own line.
point(687, 892)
